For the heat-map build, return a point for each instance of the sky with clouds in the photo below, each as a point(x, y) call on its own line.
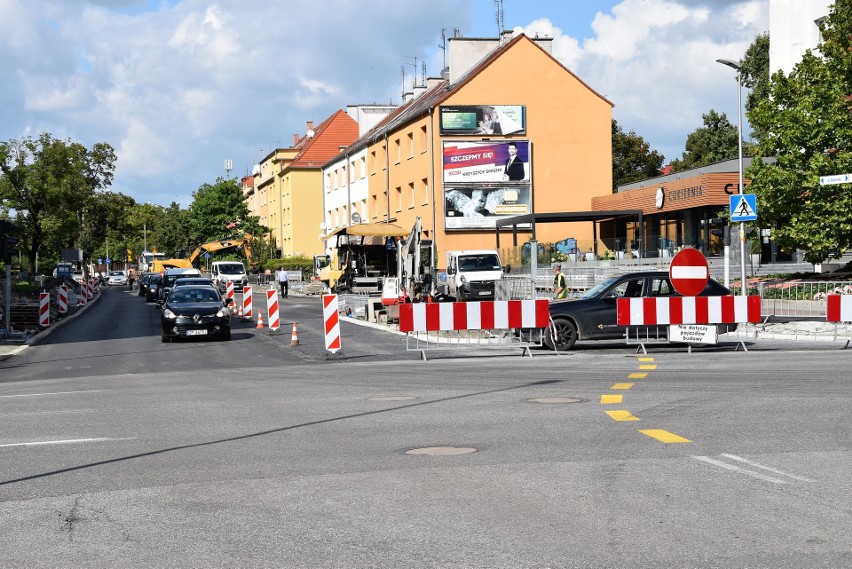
point(179, 86)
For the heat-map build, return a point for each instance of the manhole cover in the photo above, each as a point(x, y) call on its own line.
point(394, 398)
point(440, 451)
point(554, 400)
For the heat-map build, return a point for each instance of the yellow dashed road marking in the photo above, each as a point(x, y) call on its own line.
point(637, 376)
point(664, 436)
point(646, 359)
point(608, 398)
point(622, 386)
point(622, 415)
point(648, 366)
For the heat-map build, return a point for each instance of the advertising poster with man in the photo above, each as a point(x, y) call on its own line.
point(479, 207)
point(491, 120)
point(487, 161)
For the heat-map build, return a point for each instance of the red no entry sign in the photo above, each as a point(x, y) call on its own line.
point(689, 272)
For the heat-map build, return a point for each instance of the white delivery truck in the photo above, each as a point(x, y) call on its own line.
point(473, 274)
point(223, 272)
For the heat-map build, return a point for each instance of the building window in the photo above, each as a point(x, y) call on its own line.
point(399, 198)
point(424, 183)
point(375, 206)
point(413, 201)
point(424, 139)
point(397, 151)
point(411, 145)
point(373, 161)
point(363, 167)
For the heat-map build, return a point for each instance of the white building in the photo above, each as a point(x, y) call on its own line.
point(793, 29)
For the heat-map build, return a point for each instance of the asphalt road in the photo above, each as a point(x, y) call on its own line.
point(119, 451)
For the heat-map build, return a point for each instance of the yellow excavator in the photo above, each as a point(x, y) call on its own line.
point(160, 265)
point(212, 246)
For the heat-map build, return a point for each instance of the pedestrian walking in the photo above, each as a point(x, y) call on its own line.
point(283, 281)
point(560, 286)
point(131, 278)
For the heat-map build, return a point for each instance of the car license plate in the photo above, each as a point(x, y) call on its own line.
point(196, 332)
point(484, 293)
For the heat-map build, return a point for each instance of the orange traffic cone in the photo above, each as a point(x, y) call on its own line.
point(240, 312)
point(259, 321)
point(294, 339)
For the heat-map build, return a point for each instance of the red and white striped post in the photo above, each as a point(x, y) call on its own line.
point(229, 291)
point(331, 318)
point(63, 299)
point(90, 293)
point(246, 302)
point(44, 309)
point(272, 309)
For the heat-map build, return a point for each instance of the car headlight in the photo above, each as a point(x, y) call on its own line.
point(169, 314)
point(224, 311)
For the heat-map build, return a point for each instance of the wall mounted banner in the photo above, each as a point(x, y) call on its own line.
point(486, 161)
point(467, 207)
point(499, 120)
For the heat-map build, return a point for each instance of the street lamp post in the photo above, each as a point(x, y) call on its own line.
point(739, 69)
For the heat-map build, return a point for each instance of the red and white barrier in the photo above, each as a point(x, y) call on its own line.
point(332, 322)
point(229, 290)
point(246, 302)
point(664, 310)
point(488, 315)
point(272, 309)
point(90, 291)
point(63, 299)
point(44, 309)
point(839, 308)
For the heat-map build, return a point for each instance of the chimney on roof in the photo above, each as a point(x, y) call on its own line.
point(310, 125)
point(407, 97)
point(295, 138)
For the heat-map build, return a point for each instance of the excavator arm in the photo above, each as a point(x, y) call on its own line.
point(220, 245)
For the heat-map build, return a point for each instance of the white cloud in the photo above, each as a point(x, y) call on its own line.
point(655, 60)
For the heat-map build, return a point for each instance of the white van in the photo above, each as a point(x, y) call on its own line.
point(223, 272)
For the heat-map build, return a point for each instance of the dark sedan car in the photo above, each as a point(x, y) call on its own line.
point(151, 287)
point(594, 315)
point(195, 311)
point(143, 283)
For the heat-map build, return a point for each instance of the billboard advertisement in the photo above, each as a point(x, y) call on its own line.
point(466, 120)
point(467, 207)
point(484, 161)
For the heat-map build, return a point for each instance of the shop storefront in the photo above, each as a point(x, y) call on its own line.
point(686, 209)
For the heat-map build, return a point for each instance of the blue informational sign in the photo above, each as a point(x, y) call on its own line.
point(100, 262)
point(108, 261)
point(206, 255)
point(743, 207)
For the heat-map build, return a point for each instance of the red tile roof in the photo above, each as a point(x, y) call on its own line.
point(337, 130)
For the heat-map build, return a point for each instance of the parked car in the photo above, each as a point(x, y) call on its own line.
point(197, 310)
point(117, 278)
point(151, 287)
point(594, 315)
point(193, 281)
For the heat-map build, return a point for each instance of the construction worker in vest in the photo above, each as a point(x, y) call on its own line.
point(560, 286)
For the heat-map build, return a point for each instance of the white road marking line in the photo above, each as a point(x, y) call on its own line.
point(63, 412)
point(769, 468)
point(727, 466)
point(51, 393)
point(67, 442)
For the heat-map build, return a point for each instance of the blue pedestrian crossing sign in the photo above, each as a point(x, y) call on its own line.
point(743, 207)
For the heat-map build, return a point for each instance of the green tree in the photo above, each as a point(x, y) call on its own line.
point(714, 142)
point(216, 209)
point(808, 129)
point(755, 75)
point(632, 158)
point(45, 181)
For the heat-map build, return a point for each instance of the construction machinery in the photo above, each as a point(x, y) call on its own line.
point(365, 254)
point(213, 246)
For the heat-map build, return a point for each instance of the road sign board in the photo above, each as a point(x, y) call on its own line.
point(743, 207)
point(108, 261)
point(836, 179)
point(689, 272)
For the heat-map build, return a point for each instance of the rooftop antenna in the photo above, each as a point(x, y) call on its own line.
point(499, 5)
point(229, 165)
point(443, 46)
point(423, 74)
point(402, 70)
point(414, 65)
